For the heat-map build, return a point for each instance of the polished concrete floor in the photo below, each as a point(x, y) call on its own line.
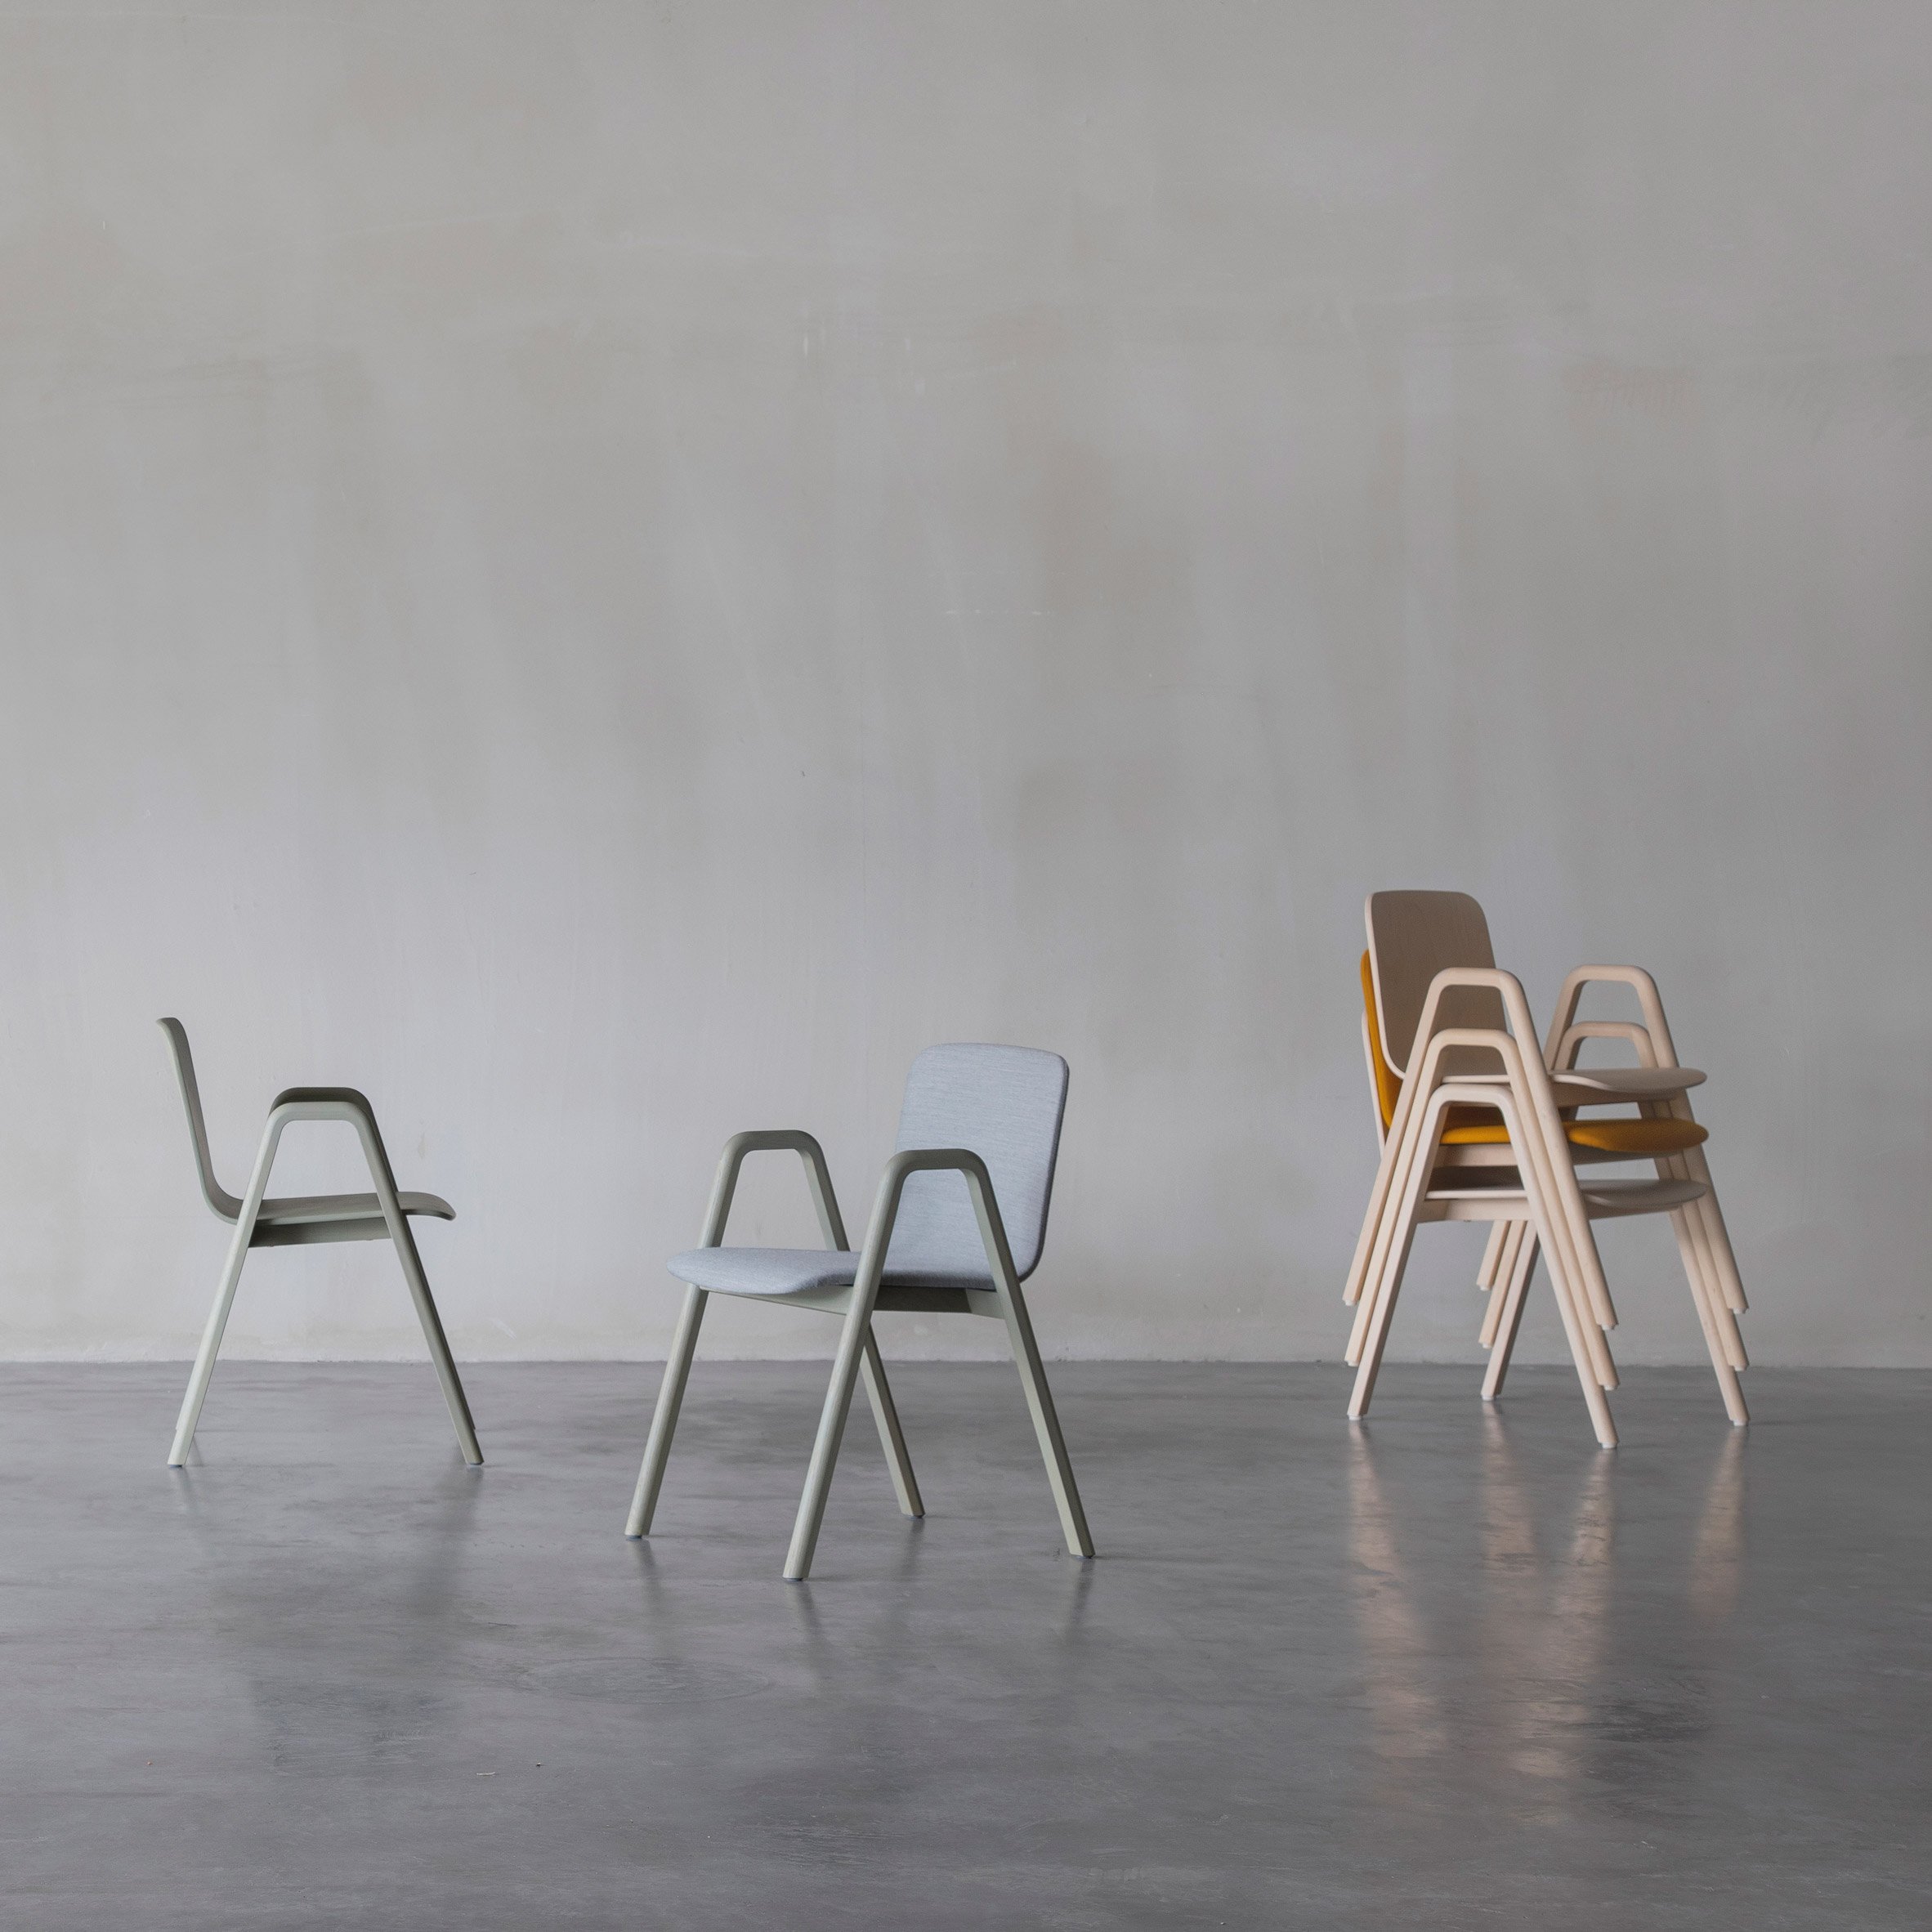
point(1452, 1669)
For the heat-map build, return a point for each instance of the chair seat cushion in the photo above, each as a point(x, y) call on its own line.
point(1479, 1126)
point(796, 1271)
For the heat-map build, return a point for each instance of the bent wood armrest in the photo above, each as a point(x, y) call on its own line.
point(1529, 1079)
point(1492, 979)
point(1395, 1137)
point(818, 1178)
point(1648, 999)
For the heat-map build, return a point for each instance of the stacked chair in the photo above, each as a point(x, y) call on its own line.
point(1479, 1123)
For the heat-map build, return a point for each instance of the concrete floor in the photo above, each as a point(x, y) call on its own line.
point(1449, 1669)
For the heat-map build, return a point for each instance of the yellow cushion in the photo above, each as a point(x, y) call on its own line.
point(1641, 1140)
point(1483, 1126)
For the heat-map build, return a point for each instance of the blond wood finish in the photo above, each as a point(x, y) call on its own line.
point(1529, 1190)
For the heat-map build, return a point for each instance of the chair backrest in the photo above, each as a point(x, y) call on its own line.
point(1005, 1104)
point(1388, 1089)
point(225, 1204)
point(1412, 936)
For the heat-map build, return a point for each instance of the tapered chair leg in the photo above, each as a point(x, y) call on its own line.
point(1046, 1422)
point(202, 1372)
point(825, 1449)
point(1509, 1312)
point(891, 1436)
point(217, 1319)
point(1496, 1253)
point(664, 1420)
point(1492, 1311)
point(439, 1342)
point(1707, 1298)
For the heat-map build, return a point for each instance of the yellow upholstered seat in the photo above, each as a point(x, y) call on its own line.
point(1482, 1127)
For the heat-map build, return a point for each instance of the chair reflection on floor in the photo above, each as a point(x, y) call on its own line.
point(1545, 1647)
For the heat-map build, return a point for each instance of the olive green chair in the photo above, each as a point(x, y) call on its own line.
point(261, 1221)
point(959, 1222)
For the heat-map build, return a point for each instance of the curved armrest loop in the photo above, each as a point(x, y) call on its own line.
point(818, 1178)
point(1648, 999)
point(885, 1211)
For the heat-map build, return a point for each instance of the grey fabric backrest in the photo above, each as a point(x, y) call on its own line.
point(1005, 1104)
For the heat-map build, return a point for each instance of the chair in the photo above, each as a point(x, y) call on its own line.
point(1431, 987)
point(958, 1223)
point(263, 1222)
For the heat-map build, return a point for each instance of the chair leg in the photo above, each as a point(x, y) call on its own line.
point(664, 1420)
point(1393, 1243)
point(1376, 1265)
point(1509, 1307)
point(1699, 1240)
point(1385, 1288)
point(1046, 1421)
point(1710, 1220)
point(217, 1319)
point(1505, 1272)
point(1572, 1304)
point(405, 1241)
point(211, 1340)
point(1494, 1255)
point(891, 1436)
point(1580, 1331)
point(831, 1430)
point(1707, 1298)
point(1722, 1253)
point(1694, 1237)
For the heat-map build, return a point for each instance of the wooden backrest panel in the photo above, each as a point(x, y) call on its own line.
point(1412, 936)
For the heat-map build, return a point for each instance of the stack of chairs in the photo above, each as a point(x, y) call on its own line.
point(1479, 1122)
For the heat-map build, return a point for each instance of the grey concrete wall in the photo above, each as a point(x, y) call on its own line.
point(604, 572)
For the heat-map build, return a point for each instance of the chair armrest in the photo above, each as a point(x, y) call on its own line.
point(325, 1103)
point(1648, 998)
point(1490, 979)
point(1634, 1035)
point(885, 1211)
point(336, 1098)
point(818, 1178)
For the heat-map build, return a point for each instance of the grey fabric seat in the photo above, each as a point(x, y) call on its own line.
point(959, 1223)
point(799, 1271)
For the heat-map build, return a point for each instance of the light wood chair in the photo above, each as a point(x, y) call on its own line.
point(1429, 974)
point(959, 1222)
point(263, 1222)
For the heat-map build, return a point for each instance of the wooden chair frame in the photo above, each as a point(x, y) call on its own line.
point(1417, 1180)
point(1703, 1239)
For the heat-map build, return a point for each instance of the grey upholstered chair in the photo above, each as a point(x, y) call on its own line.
point(959, 1223)
point(262, 1223)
